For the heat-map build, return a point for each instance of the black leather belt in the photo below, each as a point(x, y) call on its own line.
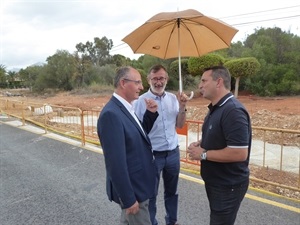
point(164, 153)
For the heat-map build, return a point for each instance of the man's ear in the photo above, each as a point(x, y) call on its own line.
point(122, 83)
point(220, 82)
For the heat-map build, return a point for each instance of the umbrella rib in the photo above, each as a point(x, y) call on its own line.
point(169, 38)
point(199, 24)
point(170, 35)
point(160, 27)
point(186, 27)
point(189, 32)
point(195, 28)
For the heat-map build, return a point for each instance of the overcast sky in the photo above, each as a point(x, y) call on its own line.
point(32, 30)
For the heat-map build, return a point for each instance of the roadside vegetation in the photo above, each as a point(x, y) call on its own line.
point(267, 63)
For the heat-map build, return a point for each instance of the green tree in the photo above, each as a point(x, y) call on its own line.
point(148, 61)
point(120, 60)
point(61, 70)
point(242, 67)
point(83, 68)
point(196, 65)
point(279, 55)
point(30, 75)
point(138, 64)
point(236, 50)
point(3, 78)
point(103, 74)
point(187, 79)
point(41, 83)
point(97, 51)
point(13, 79)
point(144, 80)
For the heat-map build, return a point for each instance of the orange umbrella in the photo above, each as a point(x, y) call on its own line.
point(180, 34)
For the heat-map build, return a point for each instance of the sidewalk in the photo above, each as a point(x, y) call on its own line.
point(290, 154)
point(17, 123)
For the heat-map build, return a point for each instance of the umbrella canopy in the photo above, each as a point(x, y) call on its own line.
point(180, 34)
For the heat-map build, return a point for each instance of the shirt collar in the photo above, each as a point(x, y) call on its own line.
point(154, 96)
point(127, 105)
point(221, 102)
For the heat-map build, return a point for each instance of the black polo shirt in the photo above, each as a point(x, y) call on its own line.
point(226, 124)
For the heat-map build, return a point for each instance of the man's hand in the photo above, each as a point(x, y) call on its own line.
point(182, 99)
point(194, 151)
point(151, 105)
point(133, 209)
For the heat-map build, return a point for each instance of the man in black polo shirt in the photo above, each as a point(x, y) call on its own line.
point(224, 149)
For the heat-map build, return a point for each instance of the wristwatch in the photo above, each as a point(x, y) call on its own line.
point(203, 155)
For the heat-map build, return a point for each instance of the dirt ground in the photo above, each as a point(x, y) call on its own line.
point(273, 112)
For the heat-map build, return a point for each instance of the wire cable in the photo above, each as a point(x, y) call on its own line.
point(270, 10)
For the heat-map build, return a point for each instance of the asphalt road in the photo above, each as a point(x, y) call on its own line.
point(50, 181)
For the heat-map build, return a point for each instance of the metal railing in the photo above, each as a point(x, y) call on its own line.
point(82, 125)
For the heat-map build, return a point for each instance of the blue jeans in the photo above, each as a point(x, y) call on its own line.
point(167, 163)
point(224, 202)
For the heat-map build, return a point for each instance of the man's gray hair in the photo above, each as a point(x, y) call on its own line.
point(121, 73)
point(156, 68)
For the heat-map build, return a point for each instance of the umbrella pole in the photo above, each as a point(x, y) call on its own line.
point(179, 62)
point(179, 57)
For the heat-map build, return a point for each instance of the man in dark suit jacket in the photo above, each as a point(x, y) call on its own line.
point(127, 149)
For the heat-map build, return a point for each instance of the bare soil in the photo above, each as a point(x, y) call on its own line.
point(273, 112)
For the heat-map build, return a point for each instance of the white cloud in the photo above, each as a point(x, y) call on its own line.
point(32, 30)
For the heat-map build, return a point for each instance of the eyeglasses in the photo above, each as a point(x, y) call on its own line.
point(162, 79)
point(137, 82)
